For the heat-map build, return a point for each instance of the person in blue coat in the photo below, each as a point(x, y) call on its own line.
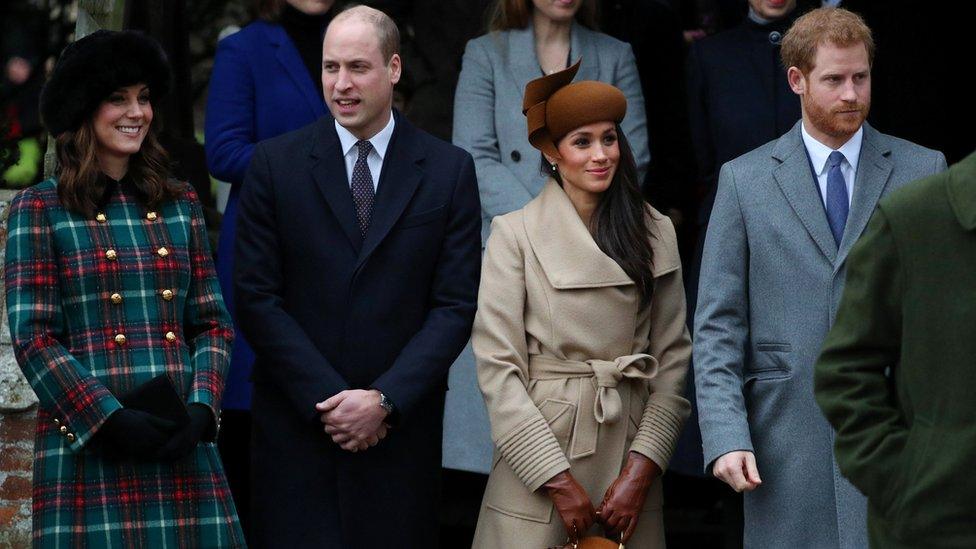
point(265, 82)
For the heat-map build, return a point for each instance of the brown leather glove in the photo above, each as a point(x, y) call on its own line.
point(625, 498)
point(572, 503)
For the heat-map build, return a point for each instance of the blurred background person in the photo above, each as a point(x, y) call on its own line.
point(266, 81)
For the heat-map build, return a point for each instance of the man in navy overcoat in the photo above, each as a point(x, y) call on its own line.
point(358, 256)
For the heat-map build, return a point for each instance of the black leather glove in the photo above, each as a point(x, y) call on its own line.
point(130, 434)
point(183, 441)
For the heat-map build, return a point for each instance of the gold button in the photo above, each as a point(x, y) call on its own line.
point(71, 437)
point(167, 295)
point(100, 218)
point(111, 255)
point(151, 216)
point(163, 252)
point(116, 298)
point(120, 339)
point(170, 336)
point(64, 430)
point(57, 421)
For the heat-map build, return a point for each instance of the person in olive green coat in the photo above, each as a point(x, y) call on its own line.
point(897, 374)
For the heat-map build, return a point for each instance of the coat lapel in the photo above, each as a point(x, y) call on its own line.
point(399, 179)
point(288, 56)
point(522, 60)
point(961, 188)
point(795, 179)
point(567, 252)
point(581, 46)
point(329, 172)
point(873, 171)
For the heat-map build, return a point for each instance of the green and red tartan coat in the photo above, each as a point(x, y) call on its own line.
point(74, 286)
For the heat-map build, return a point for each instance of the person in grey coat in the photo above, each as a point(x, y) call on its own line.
point(528, 39)
point(494, 72)
point(784, 220)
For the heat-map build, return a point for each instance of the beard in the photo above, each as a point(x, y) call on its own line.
point(837, 121)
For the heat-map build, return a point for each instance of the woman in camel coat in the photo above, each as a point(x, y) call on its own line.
point(581, 352)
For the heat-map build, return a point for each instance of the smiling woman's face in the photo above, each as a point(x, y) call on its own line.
point(590, 155)
point(122, 121)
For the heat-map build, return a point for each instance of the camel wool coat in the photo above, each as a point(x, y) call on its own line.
point(573, 372)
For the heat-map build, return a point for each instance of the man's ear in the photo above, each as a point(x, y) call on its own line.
point(798, 82)
point(395, 67)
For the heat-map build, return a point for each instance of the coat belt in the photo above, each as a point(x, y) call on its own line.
point(607, 405)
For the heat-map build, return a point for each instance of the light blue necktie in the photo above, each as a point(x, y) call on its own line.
point(837, 205)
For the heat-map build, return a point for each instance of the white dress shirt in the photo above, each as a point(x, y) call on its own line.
point(350, 152)
point(819, 153)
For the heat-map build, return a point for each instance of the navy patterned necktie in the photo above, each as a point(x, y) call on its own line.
point(362, 187)
point(837, 204)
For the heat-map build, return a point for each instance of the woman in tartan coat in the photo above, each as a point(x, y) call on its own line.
point(110, 283)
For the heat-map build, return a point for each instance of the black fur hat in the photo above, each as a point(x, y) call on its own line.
point(93, 67)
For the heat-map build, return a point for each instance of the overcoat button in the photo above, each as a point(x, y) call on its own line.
point(151, 216)
point(516, 156)
point(120, 339)
point(57, 421)
point(100, 218)
point(170, 336)
point(168, 295)
point(163, 252)
point(111, 255)
point(64, 430)
point(71, 437)
point(116, 298)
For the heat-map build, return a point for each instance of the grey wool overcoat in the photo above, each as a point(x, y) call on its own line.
point(574, 372)
point(771, 282)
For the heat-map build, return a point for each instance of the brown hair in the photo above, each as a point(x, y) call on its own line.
point(835, 26)
point(516, 14)
point(387, 33)
point(80, 182)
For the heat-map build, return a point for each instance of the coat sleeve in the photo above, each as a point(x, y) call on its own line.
point(206, 324)
point(850, 383)
point(422, 365)
point(667, 409)
point(701, 134)
point(474, 131)
point(520, 432)
point(65, 387)
point(229, 127)
point(722, 327)
point(285, 354)
point(635, 121)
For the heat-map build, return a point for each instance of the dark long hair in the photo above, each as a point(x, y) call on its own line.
point(80, 182)
point(618, 224)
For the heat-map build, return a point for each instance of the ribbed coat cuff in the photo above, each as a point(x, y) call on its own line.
point(658, 433)
point(533, 452)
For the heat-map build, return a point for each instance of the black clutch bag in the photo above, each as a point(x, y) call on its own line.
point(158, 397)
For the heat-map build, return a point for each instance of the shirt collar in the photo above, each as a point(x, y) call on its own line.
point(380, 141)
point(819, 152)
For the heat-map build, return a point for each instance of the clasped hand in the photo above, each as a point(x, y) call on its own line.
point(354, 419)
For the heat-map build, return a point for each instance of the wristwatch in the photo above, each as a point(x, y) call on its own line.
point(386, 403)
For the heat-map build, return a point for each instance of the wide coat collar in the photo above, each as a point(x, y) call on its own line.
point(287, 55)
point(524, 63)
point(795, 178)
point(569, 256)
point(961, 186)
point(401, 174)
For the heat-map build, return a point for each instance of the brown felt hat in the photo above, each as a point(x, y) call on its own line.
point(554, 107)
